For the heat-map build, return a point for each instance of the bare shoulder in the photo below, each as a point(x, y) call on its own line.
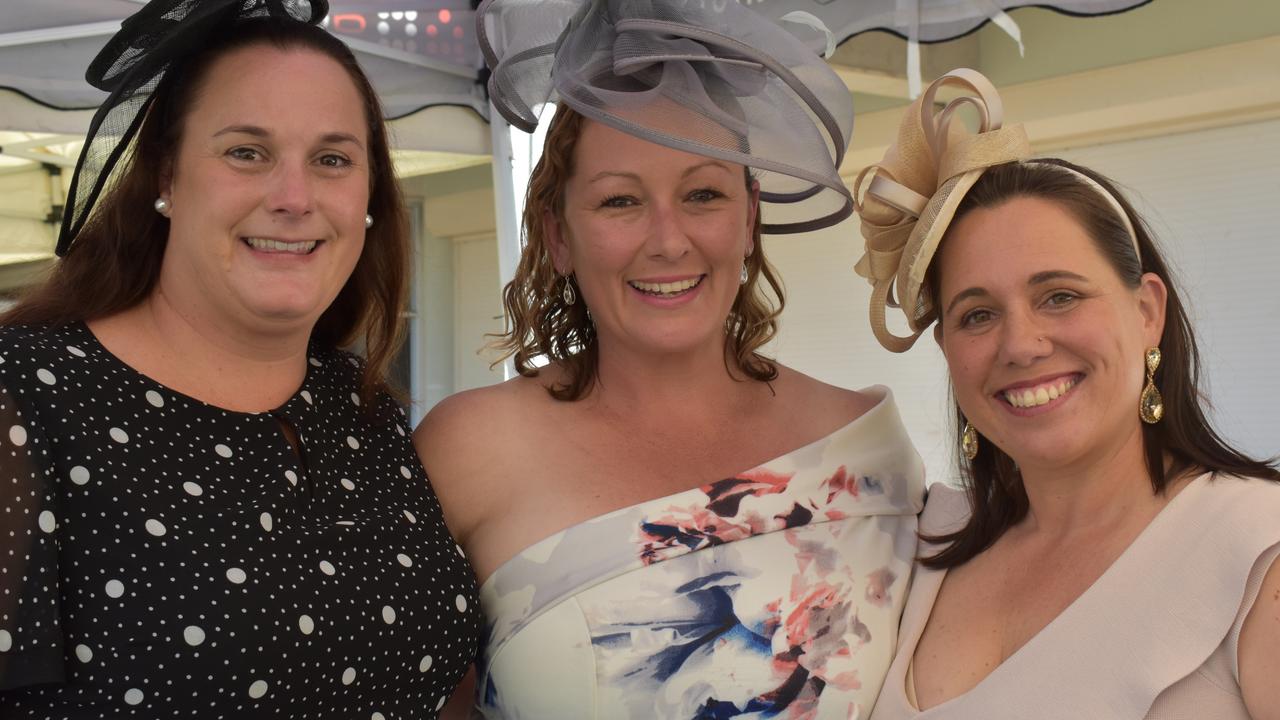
point(474, 420)
point(830, 405)
point(1259, 650)
point(468, 444)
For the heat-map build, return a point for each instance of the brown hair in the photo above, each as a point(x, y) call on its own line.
point(115, 260)
point(1182, 441)
point(539, 323)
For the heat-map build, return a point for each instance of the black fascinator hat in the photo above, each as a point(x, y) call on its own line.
point(131, 66)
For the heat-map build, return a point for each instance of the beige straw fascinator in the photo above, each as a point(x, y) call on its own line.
point(916, 188)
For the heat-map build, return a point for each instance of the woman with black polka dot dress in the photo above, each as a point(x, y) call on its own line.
point(207, 509)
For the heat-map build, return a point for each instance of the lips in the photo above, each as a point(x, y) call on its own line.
point(291, 247)
point(1031, 396)
point(671, 289)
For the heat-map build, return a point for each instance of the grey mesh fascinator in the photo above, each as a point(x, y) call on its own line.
point(711, 78)
point(130, 67)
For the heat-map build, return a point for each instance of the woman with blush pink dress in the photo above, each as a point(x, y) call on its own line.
point(1110, 555)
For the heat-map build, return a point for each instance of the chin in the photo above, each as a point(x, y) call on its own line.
point(680, 341)
point(286, 311)
point(1045, 452)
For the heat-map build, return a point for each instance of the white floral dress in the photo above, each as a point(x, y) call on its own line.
point(775, 593)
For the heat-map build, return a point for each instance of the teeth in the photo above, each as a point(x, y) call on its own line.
point(297, 248)
point(1035, 397)
point(673, 288)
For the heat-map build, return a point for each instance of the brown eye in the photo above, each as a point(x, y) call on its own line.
point(246, 154)
point(335, 161)
point(975, 317)
point(618, 201)
point(705, 195)
point(1061, 299)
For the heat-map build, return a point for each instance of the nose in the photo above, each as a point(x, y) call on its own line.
point(1023, 340)
point(290, 194)
point(667, 237)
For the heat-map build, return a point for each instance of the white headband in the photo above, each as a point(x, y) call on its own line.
point(1111, 200)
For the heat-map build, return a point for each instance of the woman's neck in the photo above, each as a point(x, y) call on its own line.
point(670, 385)
point(1109, 490)
point(229, 367)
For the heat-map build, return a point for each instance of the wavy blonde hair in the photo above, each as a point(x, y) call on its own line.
point(539, 323)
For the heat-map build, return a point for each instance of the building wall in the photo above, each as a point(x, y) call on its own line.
point(457, 288)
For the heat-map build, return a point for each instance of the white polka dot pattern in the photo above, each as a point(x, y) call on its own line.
point(185, 561)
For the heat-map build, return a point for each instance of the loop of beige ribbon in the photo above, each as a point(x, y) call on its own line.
point(992, 109)
point(886, 241)
point(979, 152)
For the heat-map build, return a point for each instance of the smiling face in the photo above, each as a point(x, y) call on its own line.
point(1043, 340)
point(655, 239)
point(268, 191)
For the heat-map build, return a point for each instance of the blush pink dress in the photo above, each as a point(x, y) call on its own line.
point(1155, 637)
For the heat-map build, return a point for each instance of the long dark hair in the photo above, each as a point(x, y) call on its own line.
point(539, 323)
point(1181, 442)
point(115, 260)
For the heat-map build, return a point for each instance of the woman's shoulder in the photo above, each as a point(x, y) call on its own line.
point(946, 509)
point(1241, 483)
point(18, 339)
point(468, 425)
point(490, 406)
point(34, 347)
point(1239, 505)
point(819, 399)
point(473, 444)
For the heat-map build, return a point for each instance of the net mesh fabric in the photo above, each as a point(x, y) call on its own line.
point(130, 67)
point(918, 306)
point(718, 81)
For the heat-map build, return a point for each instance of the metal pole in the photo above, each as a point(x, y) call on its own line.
point(508, 206)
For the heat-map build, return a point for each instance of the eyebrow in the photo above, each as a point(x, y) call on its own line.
point(632, 176)
point(332, 138)
point(610, 173)
point(708, 164)
point(1037, 279)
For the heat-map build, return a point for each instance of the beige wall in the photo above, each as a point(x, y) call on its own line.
point(1057, 44)
point(457, 290)
point(1206, 88)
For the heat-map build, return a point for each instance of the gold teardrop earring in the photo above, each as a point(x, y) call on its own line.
point(1151, 405)
point(969, 441)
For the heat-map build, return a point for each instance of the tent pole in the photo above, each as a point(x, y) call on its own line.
point(515, 153)
point(508, 207)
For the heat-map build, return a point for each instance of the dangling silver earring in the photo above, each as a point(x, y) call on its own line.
point(368, 221)
point(162, 206)
point(744, 275)
point(567, 294)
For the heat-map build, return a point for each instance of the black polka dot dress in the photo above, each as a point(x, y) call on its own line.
point(164, 558)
